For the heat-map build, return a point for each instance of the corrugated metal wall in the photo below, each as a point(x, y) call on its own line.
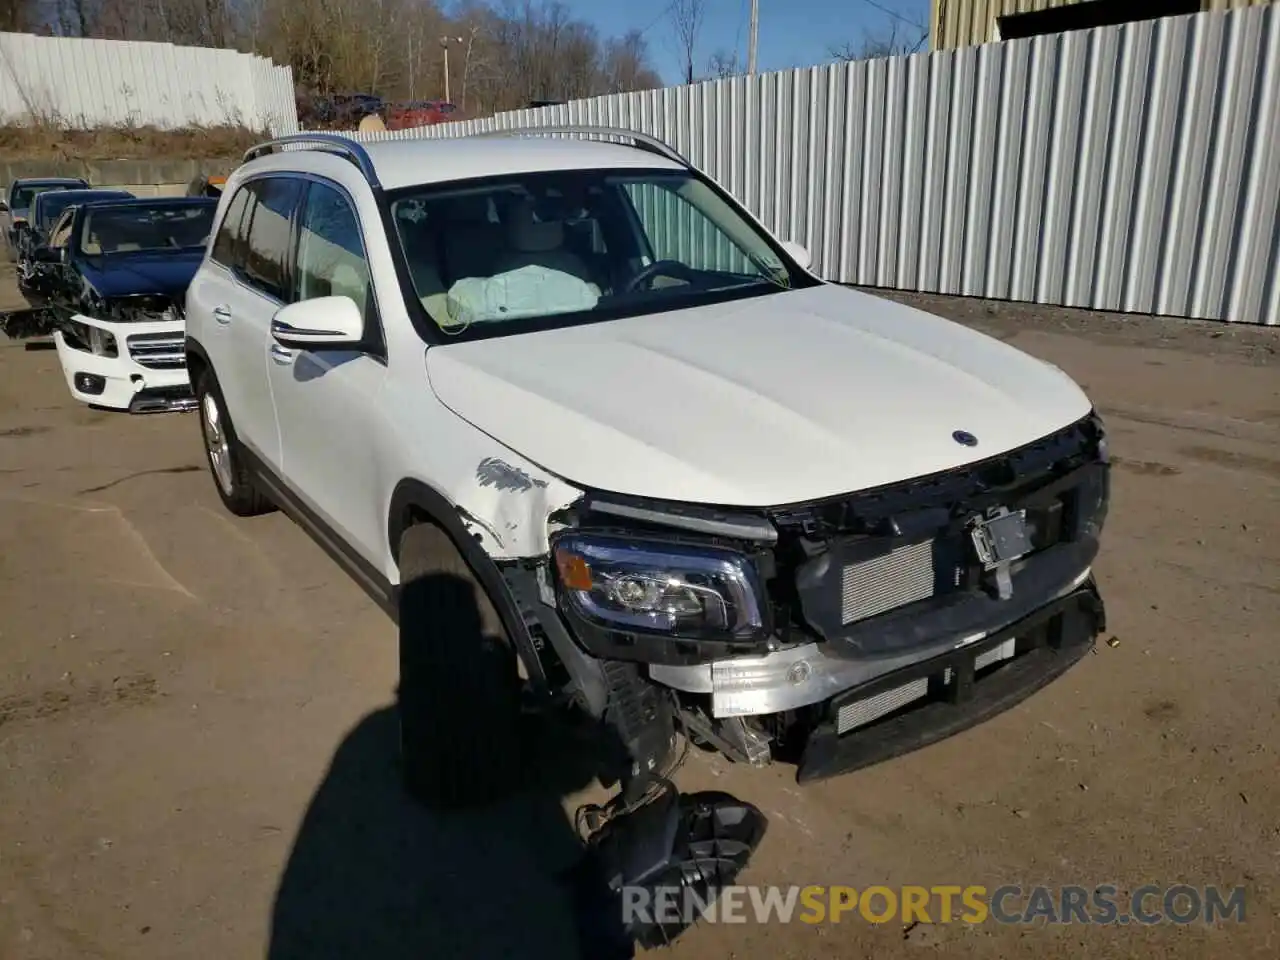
point(960, 23)
point(1131, 168)
point(92, 83)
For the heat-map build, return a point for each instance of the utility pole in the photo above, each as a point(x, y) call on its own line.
point(411, 90)
point(444, 42)
point(753, 37)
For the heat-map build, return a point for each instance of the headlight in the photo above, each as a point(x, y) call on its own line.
point(660, 587)
point(102, 342)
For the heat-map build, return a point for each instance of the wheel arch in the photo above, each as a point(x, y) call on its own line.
point(412, 502)
point(197, 360)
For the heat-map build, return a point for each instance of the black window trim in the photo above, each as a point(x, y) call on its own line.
point(432, 335)
point(222, 222)
point(237, 271)
point(375, 345)
point(375, 335)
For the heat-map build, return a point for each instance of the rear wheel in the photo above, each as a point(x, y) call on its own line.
point(231, 477)
point(459, 681)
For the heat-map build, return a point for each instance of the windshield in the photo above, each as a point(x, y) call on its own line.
point(579, 245)
point(52, 204)
point(142, 228)
point(22, 196)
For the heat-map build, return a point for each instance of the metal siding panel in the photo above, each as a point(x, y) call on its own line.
point(913, 170)
point(90, 83)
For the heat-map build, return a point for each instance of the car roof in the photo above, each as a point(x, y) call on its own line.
point(47, 181)
point(76, 194)
point(435, 160)
point(136, 202)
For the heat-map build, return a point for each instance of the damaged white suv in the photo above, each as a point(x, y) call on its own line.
point(690, 486)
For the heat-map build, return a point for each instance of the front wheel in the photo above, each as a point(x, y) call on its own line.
point(231, 476)
point(459, 681)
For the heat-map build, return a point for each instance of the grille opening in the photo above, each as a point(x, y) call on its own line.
point(883, 707)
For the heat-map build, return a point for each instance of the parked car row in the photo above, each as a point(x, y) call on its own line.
point(108, 272)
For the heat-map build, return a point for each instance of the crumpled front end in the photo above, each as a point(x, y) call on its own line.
point(837, 633)
point(131, 359)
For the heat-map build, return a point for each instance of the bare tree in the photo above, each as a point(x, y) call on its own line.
point(902, 34)
point(513, 51)
point(723, 64)
point(686, 20)
point(19, 16)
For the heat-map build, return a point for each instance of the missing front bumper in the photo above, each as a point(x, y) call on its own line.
point(1047, 644)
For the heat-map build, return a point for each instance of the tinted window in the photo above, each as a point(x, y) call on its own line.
point(22, 196)
point(51, 204)
point(229, 241)
point(268, 233)
point(331, 258)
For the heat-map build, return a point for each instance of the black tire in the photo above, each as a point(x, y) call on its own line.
point(243, 498)
point(459, 699)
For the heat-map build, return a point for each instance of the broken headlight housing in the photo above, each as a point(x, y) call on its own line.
point(657, 587)
point(102, 343)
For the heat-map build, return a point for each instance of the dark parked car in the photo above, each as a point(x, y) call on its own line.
point(16, 206)
point(118, 279)
point(46, 210)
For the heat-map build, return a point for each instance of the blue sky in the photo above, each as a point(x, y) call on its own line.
point(792, 32)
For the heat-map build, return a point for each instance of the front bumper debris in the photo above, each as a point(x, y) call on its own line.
point(1045, 645)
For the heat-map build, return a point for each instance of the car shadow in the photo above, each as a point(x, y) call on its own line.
point(373, 874)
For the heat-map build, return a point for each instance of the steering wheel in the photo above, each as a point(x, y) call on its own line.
point(660, 268)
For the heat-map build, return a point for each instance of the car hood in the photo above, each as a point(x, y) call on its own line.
point(759, 402)
point(122, 275)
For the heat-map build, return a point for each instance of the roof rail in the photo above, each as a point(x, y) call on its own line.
point(333, 143)
point(642, 141)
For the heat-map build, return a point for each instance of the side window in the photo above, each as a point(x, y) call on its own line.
point(268, 234)
point(227, 244)
point(331, 257)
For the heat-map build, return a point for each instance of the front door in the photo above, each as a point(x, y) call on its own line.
point(325, 400)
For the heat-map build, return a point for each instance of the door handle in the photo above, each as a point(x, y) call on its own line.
point(281, 355)
point(222, 314)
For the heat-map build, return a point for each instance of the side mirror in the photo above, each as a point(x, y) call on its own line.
point(323, 323)
point(798, 252)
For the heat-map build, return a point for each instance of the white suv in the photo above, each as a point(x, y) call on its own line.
point(691, 486)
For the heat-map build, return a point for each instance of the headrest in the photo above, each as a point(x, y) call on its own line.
point(528, 235)
point(468, 209)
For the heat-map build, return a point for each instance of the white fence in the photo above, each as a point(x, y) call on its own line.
point(94, 83)
point(1132, 168)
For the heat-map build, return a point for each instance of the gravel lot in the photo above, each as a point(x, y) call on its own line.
point(197, 750)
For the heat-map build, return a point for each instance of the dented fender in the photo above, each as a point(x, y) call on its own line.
point(502, 503)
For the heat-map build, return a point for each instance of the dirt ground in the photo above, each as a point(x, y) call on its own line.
point(197, 750)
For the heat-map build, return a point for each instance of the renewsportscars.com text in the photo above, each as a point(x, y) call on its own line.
point(1009, 904)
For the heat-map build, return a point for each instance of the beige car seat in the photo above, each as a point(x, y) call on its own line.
point(534, 243)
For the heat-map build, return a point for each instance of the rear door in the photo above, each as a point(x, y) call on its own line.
point(237, 298)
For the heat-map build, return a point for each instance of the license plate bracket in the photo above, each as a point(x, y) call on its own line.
point(999, 540)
